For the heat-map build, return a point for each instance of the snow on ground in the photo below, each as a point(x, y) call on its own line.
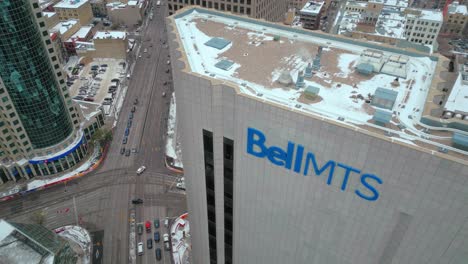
point(39, 183)
point(180, 238)
point(80, 236)
point(173, 148)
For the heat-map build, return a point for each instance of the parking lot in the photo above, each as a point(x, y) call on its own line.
point(97, 80)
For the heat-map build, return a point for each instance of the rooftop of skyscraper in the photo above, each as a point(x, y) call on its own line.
point(369, 87)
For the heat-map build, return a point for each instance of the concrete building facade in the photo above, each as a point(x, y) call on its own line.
point(106, 44)
point(456, 19)
point(270, 10)
point(129, 14)
point(75, 9)
point(311, 13)
point(269, 180)
point(423, 26)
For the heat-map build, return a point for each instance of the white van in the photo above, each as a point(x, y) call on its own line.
point(140, 248)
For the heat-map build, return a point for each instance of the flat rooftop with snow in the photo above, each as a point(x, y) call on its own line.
point(377, 89)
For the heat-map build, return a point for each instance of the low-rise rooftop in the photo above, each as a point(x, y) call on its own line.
point(82, 33)
point(312, 7)
point(64, 26)
point(110, 35)
point(70, 3)
point(272, 63)
point(456, 8)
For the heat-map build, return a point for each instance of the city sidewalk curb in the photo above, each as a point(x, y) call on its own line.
point(76, 176)
point(173, 168)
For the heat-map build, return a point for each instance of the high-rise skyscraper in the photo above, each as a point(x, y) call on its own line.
point(305, 147)
point(40, 125)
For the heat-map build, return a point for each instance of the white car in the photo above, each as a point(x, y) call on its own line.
point(140, 248)
point(141, 170)
point(181, 185)
point(166, 237)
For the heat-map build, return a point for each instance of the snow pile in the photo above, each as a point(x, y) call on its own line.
point(80, 236)
point(180, 238)
point(173, 148)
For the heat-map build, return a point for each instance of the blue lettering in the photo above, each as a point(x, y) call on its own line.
point(277, 156)
point(256, 138)
point(298, 162)
point(310, 157)
point(290, 155)
point(375, 193)
point(346, 175)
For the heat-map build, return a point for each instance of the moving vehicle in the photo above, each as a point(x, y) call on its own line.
point(164, 94)
point(122, 151)
point(127, 131)
point(127, 153)
point(148, 226)
point(133, 109)
point(141, 170)
point(158, 254)
point(156, 236)
point(145, 50)
point(134, 150)
point(149, 243)
point(124, 141)
point(140, 248)
point(156, 223)
point(137, 201)
point(158, 3)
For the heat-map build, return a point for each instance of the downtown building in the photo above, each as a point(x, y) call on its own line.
point(42, 131)
point(304, 147)
point(270, 10)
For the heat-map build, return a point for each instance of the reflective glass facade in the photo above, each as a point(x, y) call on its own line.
point(29, 76)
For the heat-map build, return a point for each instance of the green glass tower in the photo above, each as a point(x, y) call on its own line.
point(29, 77)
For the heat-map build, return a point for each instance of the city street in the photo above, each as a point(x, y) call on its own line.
point(102, 199)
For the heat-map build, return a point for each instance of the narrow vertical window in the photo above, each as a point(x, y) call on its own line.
point(210, 193)
point(228, 153)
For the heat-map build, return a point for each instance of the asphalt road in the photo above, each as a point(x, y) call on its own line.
point(103, 197)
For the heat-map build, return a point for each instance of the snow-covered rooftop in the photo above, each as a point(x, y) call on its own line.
point(70, 3)
point(312, 7)
point(456, 8)
point(110, 35)
point(398, 3)
point(49, 14)
point(267, 56)
point(64, 26)
point(132, 3)
point(430, 15)
point(458, 98)
point(82, 33)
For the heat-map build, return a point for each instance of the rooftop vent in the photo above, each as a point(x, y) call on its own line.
point(384, 98)
point(311, 92)
point(300, 80)
point(224, 64)
point(382, 117)
point(218, 43)
point(308, 71)
point(285, 78)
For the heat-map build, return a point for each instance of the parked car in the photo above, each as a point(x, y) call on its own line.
point(89, 99)
point(148, 226)
point(156, 223)
point(127, 153)
point(141, 170)
point(129, 123)
point(140, 229)
point(158, 254)
point(140, 248)
point(103, 65)
point(156, 236)
point(122, 151)
point(137, 201)
point(134, 150)
point(130, 116)
point(149, 243)
point(124, 141)
point(164, 94)
point(78, 97)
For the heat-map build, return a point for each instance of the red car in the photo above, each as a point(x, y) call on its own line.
point(148, 226)
point(89, 99)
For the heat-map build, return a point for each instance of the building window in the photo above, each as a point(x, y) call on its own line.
point(51, 50)
point(4, 99)
point(35, 5)
point(22, 136)
point(15, 122)
point(210, 193)
point(44, 33)
point(54, 58)
point(39, 15)
point(228, 163)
